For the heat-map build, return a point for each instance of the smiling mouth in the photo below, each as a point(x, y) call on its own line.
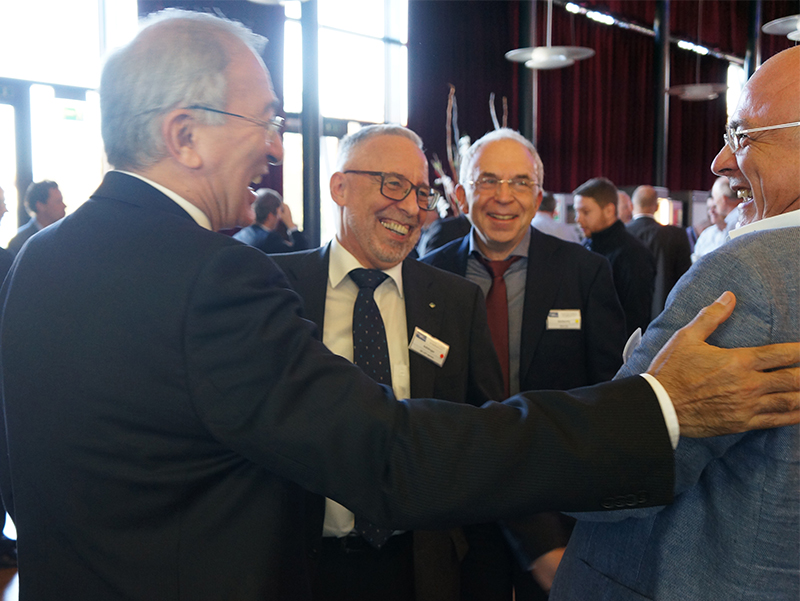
point(744, 194)
point(502, 217)
point(397, 228)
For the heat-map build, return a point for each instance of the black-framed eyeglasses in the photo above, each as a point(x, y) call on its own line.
point(733, 137)
point(273, 126)
point(518, 185)
point(397, 187)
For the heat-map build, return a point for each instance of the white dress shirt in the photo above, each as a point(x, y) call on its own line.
point(712, 237)
point(337, 335)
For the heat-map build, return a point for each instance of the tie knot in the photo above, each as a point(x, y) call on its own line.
point(497, 268)
point(368, 278)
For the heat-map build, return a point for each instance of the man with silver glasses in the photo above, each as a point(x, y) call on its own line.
point(733, 531)
point(561, 325)
point(381, 193)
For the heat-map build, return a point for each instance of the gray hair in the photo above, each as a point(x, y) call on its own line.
point(177, 59)
point(349, 143)
point(502, 133)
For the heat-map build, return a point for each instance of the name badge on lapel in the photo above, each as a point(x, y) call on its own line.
point(429, 347)
point(564, 319)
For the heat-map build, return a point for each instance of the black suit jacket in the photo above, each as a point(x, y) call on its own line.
point(559, 275)
point(670, 246)
point(452, 310)
point(634, 269)
point(442, 231)
point(271, 241)
point(164, 405)
point(22, 235)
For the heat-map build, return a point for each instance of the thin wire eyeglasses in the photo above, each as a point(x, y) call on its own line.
point(273, 126)
point(733, 138)
point(520, 185)
point(397, 187)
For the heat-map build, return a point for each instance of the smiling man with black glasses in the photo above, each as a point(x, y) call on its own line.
point(381, 193)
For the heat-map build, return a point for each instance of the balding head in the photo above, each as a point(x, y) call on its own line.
point(764, 169)
point(624, 206)
point(645, 200)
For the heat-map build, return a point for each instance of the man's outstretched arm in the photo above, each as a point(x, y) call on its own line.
point(724, 391)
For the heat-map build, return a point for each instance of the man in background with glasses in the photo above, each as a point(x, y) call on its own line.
point(733, 531)
point(564, 326)
point(382, 195)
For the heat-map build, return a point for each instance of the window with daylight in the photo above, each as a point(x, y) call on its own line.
point(363, 78)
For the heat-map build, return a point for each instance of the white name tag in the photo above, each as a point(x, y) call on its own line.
point(429, 347)
point(564, 319)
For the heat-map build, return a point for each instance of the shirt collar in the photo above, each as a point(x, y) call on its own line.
point(520, 250)
point(341, 262)
point(790, 219)
point(194, 212)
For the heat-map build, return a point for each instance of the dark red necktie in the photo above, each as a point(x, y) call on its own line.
point(497, 311)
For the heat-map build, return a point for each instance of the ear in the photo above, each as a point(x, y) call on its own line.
point(179, 131)
point(461, 197)
point(610, 212)
point(538, 200)
point(338, 186)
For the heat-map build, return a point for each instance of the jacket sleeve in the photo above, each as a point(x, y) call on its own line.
point(272, 393)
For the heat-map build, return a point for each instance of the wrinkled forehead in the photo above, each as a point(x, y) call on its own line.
point(771, 95)
point(503, 157)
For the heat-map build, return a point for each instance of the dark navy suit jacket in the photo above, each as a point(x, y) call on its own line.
point(271, 241)
point(164, 405)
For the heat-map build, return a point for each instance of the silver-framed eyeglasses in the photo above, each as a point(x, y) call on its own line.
point(273, 126)
point(397, 187)
point(733, 137)
point(518, 185)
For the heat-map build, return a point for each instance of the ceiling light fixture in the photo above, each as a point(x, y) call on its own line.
point(697, 91)
point(549, 56)
point(788, 26)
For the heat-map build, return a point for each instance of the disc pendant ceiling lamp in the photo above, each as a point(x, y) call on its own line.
point(697, 91)
point(788, 26)
point(549, 56)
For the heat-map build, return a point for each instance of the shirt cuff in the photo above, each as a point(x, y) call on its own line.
point(667, 409)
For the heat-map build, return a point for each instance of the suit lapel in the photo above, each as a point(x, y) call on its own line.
point(462, 256)
point(424, 309)
point(309, 277)
point(541, 287)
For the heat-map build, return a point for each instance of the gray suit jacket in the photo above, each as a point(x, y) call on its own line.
point(732, 532)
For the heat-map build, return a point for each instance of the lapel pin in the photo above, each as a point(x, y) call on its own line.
point(432, 305)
